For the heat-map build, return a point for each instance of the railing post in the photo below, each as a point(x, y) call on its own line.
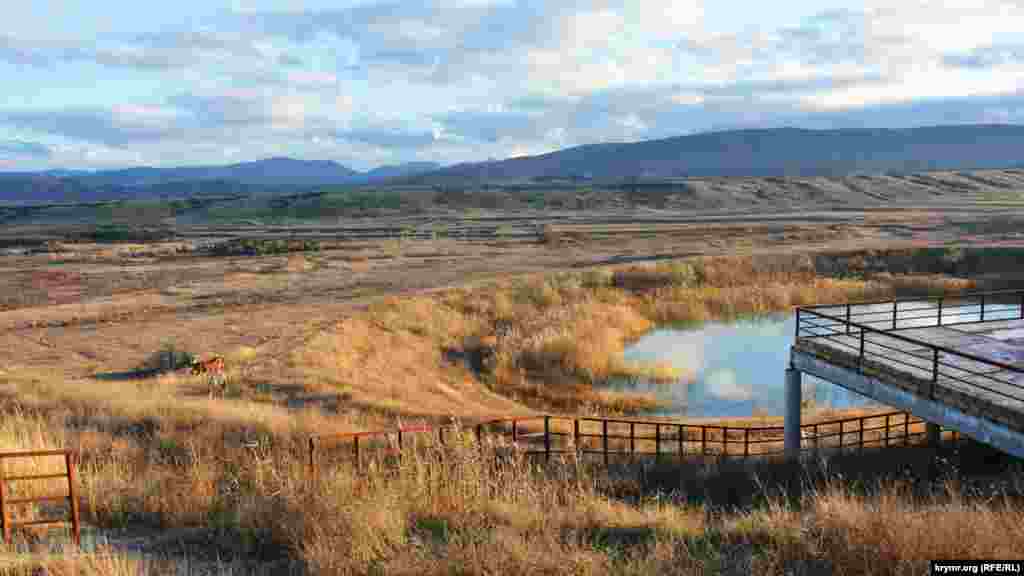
point(860, 436)
point(70, 460)
point(860, 357)
point(312, 455)
point(894, 304)
point(906, 428)
point(399, 440)
point(632, 438)
point(604, 440)
point(940, 311)
point(982, 307)
point(887, 430)
point(725, 440)
point(1022, 306)
point(935, 373)
point(576, 434)
point(355, 451)
point(440, 434)
point(479, 433)
point(657, 443)
point(703, 441)
point(5, 524)
point(796, 329)
point(514, 430)
point(682, 445)
point(840, 436)
point(847, 317)
point(746, 443)
point(547, 437)
point(817, 446)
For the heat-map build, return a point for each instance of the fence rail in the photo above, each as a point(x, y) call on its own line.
point(873, 335)
point(7, 522)
point(609, 438)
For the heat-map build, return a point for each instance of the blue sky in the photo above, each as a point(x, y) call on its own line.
point(105, 84)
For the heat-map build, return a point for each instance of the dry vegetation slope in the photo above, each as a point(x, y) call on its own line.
point(158, 452)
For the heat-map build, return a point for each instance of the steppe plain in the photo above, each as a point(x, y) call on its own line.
point(82, 322)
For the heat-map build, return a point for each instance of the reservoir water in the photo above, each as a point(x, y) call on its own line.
point(733, 369)
point(737, 369)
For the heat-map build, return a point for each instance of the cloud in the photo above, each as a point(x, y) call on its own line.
point(386, 138)
point(20, 149)
point(462, 81)
point(723, 384)
point(91, 125)
point(990, 56)
point(16, 52)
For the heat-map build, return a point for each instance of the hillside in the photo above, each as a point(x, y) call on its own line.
point(274, 175)
point(774, 152)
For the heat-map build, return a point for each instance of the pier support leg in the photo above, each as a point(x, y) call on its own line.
point(791, 433)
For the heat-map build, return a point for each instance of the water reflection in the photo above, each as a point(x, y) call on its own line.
point(735, 369)
point(738, 368)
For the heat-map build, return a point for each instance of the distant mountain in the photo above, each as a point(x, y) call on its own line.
point(383, 173)
point(263, 176)
point(769, 152)
point(270, 172)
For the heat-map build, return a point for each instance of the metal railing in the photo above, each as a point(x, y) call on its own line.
point(7, 523)
point(610, 438)
point(872, 341)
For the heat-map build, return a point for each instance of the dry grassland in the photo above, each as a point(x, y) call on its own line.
point(159, 453)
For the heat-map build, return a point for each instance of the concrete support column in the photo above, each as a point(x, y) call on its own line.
point(932, 434)
point(791, 433)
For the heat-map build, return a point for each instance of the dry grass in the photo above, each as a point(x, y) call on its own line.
point(563, 332)
point(69, 563)
point(159, 452)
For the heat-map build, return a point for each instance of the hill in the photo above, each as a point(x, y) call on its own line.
point(273, 175)
point(782, 152)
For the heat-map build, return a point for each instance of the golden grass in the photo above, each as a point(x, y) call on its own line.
point(157, 453)
point(69, 563)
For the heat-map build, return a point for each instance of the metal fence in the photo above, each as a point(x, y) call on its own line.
point(871, 336)
point(615, 439)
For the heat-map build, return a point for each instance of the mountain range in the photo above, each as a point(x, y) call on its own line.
point(778, 152)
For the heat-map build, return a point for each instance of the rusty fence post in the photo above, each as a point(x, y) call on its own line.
point(657, 443)
point(604, 439)
point(355, 451)
point(312, 455)
point(547, 438)
point(5, 524)
point(70, 461)
point(576, 436)
point(860, 436)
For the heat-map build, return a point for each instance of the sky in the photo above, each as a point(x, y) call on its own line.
point(117, 83)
